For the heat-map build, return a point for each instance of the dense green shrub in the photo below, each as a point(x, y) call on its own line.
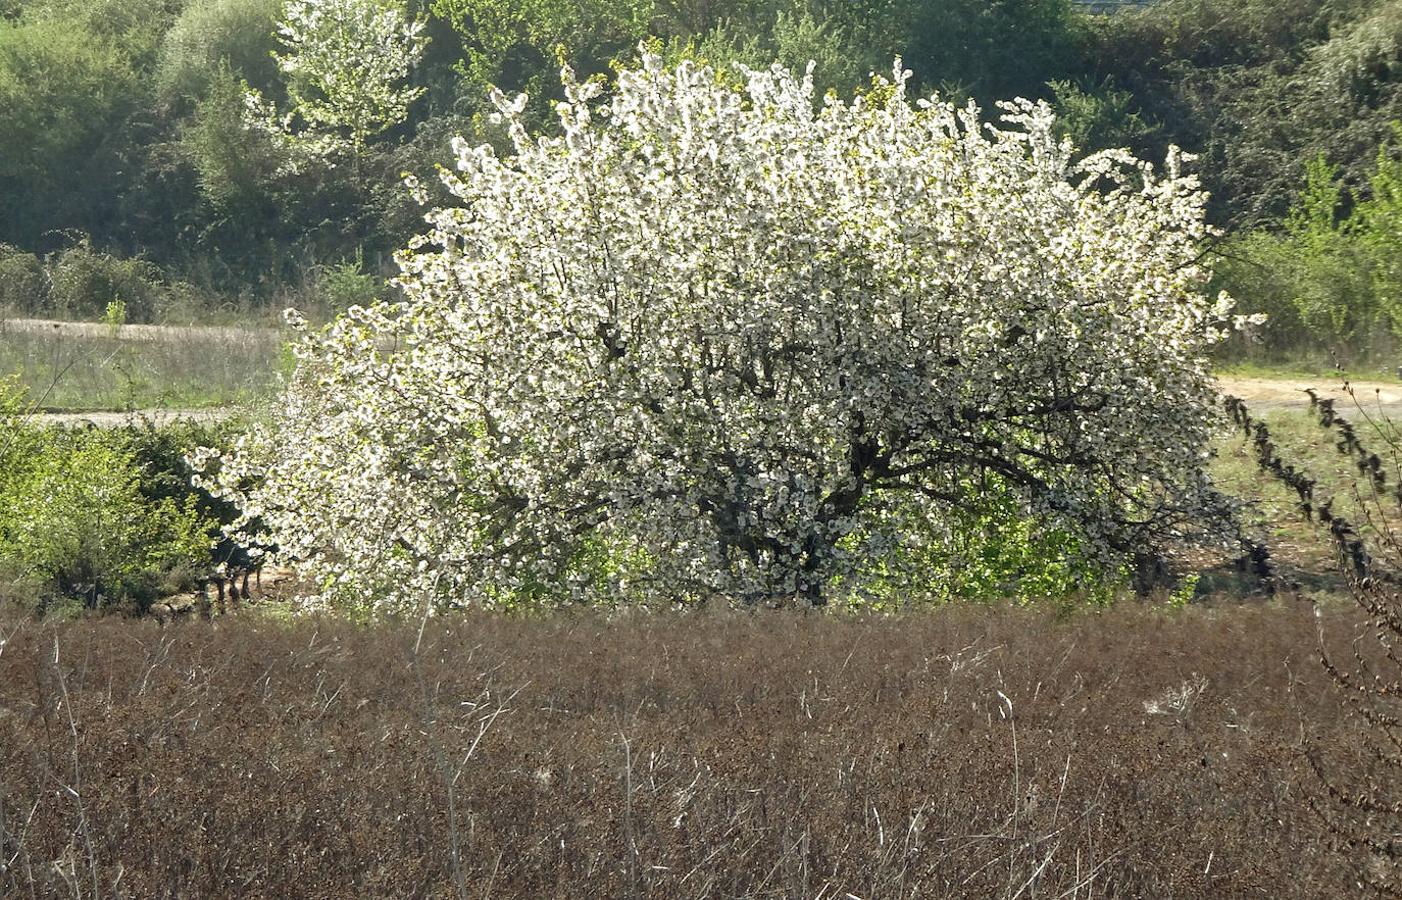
point(124, 118)
point(1330, 277)
point(235, 169)
point(985, 550)
point(988, 50)
point(76, 520)
point(342, 286)
point(65, 93)
point(796, 37)
point(107, 518)
point(212, 36)
point(517, 45)
point(1257, 85)
point(1098, 116)
point(24, 284)
point(82, 283)
point(85, 281)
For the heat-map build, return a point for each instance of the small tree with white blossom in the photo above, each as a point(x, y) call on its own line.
point(346, 63)
point(709, 341)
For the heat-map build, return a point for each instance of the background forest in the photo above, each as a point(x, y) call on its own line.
point(128, 173)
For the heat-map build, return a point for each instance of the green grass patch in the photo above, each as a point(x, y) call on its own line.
point(114, 369)
point(1301, 548)
point(1307, 366)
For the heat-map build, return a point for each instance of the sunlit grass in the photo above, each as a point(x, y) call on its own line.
point(87, 368)
point(1297, 544)
point(1304, 367)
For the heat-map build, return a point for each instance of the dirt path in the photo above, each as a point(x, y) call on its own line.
point(1261, 394)
point(142, 333)
point(114, 419)
point(1267, 394)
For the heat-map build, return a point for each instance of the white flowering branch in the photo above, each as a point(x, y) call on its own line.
point(346, 63)
point(714, 341)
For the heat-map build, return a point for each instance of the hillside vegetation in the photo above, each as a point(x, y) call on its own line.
point(131, 172)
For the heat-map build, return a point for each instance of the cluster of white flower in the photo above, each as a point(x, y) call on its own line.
point(709, 341)
point(346, 62)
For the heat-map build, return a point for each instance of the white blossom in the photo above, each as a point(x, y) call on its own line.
point(713, 341)
point(345, 63)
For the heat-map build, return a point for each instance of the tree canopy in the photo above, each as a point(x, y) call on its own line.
point(711, 339)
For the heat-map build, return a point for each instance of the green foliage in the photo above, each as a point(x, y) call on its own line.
point(160, 454)
point(76, 521)
point(1257, 85)
point(517, 45)
point(215, 37)
point(86, 282)
point(24, 284)
point(80, 282)
point(1377, 226)
point(116, 315)
point(136, 24)
point(86, 515)
point(125, 119)
point(988, 50)
point(267, 220)
point(1099, 116)
point(1331, 276)
point(973, 47)
point(102, 517)
point(1315, 215)
point(346, 285)
point(238, 170)
point(64, 91)
point(17, 443)
point(1185, 592)
point(75, 88)
point(796, 37)
point(1362, 56)
point(989, 550)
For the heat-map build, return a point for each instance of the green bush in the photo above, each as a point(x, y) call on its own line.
point(76, 521)
point(342, 286)
point(24, 285)
point(60, 88)
point(988, 550)
point(1376, 225)
point(212, 36)
point(1099, 116)
point(794, 37)
point(94, 516)
point(66, 94)
point(85, 281)
point(1330, 279)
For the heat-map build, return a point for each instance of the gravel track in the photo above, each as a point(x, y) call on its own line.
point(117, 419)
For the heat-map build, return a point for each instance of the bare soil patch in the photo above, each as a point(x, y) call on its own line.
point(1263, 394)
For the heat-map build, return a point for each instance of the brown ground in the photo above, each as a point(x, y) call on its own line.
point(1264, 394)
point(964, 753)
